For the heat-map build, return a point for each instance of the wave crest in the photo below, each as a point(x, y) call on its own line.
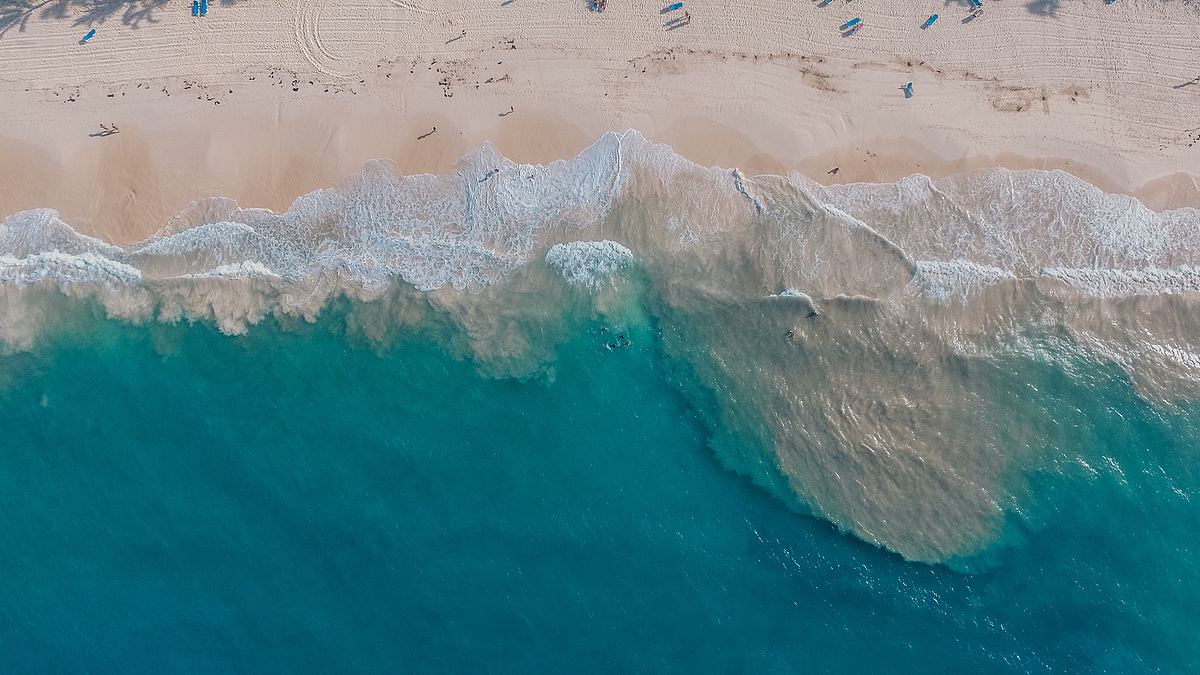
point(878, 412)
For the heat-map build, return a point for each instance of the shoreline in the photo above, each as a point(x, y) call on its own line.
point(155, 190)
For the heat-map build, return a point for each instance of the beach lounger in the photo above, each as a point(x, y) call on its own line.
point(203, 7)
point(977, 3)
point(929, 21)
point(195, 7)
point(672, 7)
point(908, 92)
point(90, 34)
point(850, 24)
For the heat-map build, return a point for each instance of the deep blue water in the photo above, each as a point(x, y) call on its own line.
point(175, 499)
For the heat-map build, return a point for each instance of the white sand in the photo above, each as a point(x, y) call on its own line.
point(767, 86)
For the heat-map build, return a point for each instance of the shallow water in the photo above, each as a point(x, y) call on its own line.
point(297, 499)
point(620, 411)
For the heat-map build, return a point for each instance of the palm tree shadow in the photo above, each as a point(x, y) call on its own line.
point(1043, 7)
point(16, 14)
point(1039, 7)
point(133, 14)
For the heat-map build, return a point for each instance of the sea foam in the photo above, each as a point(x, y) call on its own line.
point(590, 263)
point(870, 412)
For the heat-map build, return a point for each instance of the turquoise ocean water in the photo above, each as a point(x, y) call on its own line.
point(619, 413)
point(299, 499)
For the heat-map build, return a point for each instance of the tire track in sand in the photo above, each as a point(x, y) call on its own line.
point(360, 30)
point(308, 39)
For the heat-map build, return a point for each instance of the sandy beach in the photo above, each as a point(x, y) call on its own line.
point(265, 101)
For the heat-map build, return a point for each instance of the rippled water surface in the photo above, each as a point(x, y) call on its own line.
point(175, 497)
point(615, 412)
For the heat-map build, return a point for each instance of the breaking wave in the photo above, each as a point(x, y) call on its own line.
point(854, 337)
